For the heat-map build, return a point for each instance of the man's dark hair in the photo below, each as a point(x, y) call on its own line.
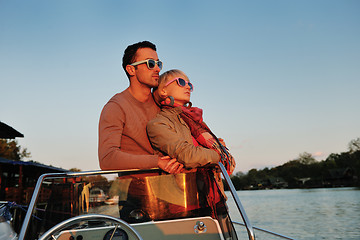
point(130, 51)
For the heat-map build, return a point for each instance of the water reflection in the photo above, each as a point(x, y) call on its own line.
point(307, 214)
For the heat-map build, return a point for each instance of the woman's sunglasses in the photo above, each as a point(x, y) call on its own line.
point(182, 83)
point(151, 63)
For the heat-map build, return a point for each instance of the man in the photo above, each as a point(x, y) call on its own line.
point(123, 142)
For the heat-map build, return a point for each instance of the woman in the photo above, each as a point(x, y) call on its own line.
point(178, 130)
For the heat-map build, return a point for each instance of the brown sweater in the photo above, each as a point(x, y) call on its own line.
point(123, 141)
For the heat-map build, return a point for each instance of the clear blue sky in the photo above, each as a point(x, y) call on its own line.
point(275, 78)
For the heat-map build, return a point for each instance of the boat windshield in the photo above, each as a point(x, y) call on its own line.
point(134, 196)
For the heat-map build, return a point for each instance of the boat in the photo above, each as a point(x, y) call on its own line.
point(143, 204)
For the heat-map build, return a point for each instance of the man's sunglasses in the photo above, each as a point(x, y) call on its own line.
point(151, 63)
point(182, 83)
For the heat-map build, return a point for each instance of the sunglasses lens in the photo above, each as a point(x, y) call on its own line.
point(181, 82)
point(191, 86)
point(151, 63)
point(159, 63)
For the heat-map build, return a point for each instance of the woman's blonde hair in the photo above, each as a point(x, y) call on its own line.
point(163, 79)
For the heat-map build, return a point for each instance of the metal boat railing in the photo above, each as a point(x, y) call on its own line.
point(249, 227)
point(266, 231)
point(36, 192)
point(247, 224)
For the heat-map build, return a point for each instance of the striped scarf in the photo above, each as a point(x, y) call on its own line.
point(203, 135)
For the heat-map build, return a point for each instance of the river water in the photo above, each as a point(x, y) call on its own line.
point(302, 214)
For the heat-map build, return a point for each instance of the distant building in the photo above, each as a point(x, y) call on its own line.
point(340, 177)
point(8, 132)
point(277, 182)
point(18, 178)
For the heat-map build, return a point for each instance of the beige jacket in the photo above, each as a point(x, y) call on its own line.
point(170, 135)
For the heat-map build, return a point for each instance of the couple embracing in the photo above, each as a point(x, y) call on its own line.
point(152, 124)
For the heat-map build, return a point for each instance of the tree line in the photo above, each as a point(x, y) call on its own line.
point(10, 149)
point(336, 170)
point(303, 172)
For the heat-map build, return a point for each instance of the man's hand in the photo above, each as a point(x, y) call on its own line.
point(170, 165)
